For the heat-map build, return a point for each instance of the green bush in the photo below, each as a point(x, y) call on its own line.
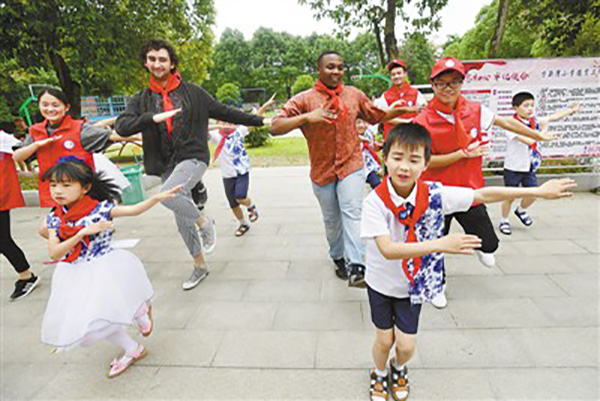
point(302, 83)
point(258, 136)
point(229, 94)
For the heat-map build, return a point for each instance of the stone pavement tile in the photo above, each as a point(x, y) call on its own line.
point(546, 264)
point(267, 349)
point(169, 314)
point(468, 265)
point(468, 287)
point(21, 381)
point(450, 384)
point(302, 228)
point(578, 285)
point(26, 312)
point(469, 348)
point(319, 316)
point(89, 382)
point(258, 384)
point(591, 245)
point(545, 384)
point(497, 313)
point(16, 339)
point(548, 247)
point(253, 271)
point(182, 347)
point(207, 290)
point(158, 271)
point(351, 350)
point(570, 312)
point(221, 315)
point(559, 347)
point(283, 290)
point(559, 232)
point(335, 289)
point(311, 270)
point(290, 251)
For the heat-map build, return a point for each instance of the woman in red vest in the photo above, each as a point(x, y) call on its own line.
point(59, 136)
point(400, 91)
point(11, 198)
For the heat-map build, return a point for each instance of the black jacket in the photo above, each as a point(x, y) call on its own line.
point(189, 136)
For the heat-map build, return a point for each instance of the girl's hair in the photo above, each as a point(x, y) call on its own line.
point(76, 170)
point(57, 93)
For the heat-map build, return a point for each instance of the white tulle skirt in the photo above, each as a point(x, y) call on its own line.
point(88, 297)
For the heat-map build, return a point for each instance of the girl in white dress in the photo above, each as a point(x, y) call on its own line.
point(97, 291)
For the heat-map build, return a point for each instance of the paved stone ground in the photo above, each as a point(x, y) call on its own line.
point(272, 322)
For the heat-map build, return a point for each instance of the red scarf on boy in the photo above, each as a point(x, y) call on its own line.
point(335, 102)
point(533, 146)
point(79, 210)
point(225, 133)
point(422, 203)
point(173, 82)
point(394, 93)
point(462, 137)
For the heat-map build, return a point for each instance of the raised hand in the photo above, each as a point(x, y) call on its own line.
point(47, 141)
point(95, 228)
point(171, 193)
point(557, 188)
point(160, 117)
point(460, 243)
point(476, 149)
point(321, 115)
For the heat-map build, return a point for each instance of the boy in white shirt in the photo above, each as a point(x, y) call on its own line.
point(523, 157)
point(403, 225)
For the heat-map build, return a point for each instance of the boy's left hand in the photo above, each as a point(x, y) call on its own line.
point(557, 188)
point(171, 193)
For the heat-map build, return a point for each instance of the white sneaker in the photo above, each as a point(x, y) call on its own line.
point(486, 259)
point(440, 301)
point(197, 276)
point(208, 236)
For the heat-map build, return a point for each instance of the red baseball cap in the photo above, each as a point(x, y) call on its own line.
point(396, 63)
point(447, 64)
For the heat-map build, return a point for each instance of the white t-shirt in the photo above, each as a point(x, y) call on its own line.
point(383, 104)
point(518, 154)
point(486, 120)
point(233, 159)
point(383, 275)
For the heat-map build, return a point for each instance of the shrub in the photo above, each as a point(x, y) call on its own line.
point(302, 83)
point(229, 94)
point(258, 136)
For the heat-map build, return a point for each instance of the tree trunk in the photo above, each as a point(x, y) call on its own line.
point(389, 30)
point(71, 88)
point(377, 33)
point(499, 31)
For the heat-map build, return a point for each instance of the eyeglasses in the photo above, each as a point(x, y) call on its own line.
point(443, 85)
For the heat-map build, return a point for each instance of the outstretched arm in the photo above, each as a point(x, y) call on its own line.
point(574, 108)
point(475, 149)
point(452, 243)
point(553, 189)
point(511, 124)
point(261, 110)
point(283, 125)
point(25, 152)
point(139, 208)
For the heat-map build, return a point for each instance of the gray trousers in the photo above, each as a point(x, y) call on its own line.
point(187, 173)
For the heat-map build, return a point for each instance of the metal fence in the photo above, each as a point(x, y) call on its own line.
point(97, 108)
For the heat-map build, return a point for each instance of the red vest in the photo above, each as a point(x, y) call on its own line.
point(410, 99)
point(10, 191)
point(68, 145)
point(465, 172)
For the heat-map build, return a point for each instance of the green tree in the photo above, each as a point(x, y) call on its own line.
point(92, 45)
point(231, 61)
point(419, 55)
point(302, 83)
point(229, 94)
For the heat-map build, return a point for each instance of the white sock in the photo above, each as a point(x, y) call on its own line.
point(504, 220)
point(381, 373)
point(243, 221)
point(396, 366)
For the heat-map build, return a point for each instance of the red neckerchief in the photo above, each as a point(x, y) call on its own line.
point(335, 103)
point(79, 210)
point(531, 121)
point(366, 145)
point(173, 82)
point(395, 93)
point(225, 133)
point(462, 138)
point(422, 203)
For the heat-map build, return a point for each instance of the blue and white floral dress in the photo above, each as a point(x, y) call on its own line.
point(102, 287)
point(371, 164)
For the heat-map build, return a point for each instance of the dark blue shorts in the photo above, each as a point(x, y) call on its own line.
point(236, 188)
point(524, 179)
point(387, 312)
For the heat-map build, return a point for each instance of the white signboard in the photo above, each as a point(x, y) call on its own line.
point(555, 83)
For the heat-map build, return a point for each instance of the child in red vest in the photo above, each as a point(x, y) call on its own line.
point(403, 228)
point(11, 198)
point(400, 91)
point(523, 157)
point(459, 129)
point(96, 290)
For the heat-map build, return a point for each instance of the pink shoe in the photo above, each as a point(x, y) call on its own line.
point(120, 365)
point(145, 326)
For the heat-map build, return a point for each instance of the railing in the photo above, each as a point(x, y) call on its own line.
point(97, 108)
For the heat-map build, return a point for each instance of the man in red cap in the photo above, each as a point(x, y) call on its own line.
point(400, 91)
point(459, 130)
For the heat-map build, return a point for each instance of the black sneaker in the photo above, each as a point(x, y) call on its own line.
point(341, 271)
point(200, 195)
point(357, 275)
point(24, 287)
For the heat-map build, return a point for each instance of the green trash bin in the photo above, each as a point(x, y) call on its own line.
point(134, 193)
